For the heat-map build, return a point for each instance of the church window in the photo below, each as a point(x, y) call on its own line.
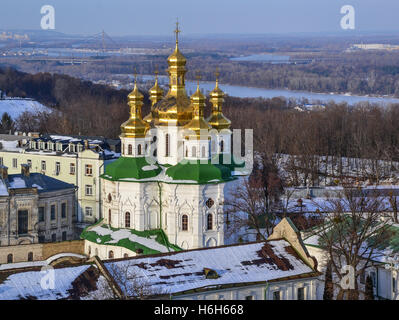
point(129, 149)
point(15, 163)
point(63, 210)
point(9, 258)
point(184, 222)
point(301, 294)
point(139, 149)
point(210, 203)
point(125, 255)
point(57, 168)
point(167, 145)
point(222, 146)
point(209, 222)
point(109, 216)
point(109, 197)
point(89, 250)
point(30, 256)
point(127, 220)
point(111, 254)
point(186, 152)
point(43, 165)
point(193, 151)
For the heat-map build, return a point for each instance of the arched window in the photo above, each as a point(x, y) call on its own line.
point(109, 216)
point(193, 151)
point(123, 148)
point(129, 149)
point(209, 222)
point(89, 250)
point(125, 255)
point(109, 197)
point(139, 149)
point(127, 220)
point(167, 144)
point(221, 146)
point(186, 152)
point(9, 258)
point(30, 256)
point(110, 255)
point(203, 152)
point(184, 222)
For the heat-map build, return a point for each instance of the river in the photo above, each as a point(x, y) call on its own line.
point(251, 92)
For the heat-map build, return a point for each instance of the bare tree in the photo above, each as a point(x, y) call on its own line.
point(353, 233)
point(251, 205)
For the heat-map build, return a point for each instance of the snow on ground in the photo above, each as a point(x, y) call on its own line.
point(15, 107)
point(126, 234)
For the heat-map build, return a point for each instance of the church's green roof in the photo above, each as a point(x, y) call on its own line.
point(126, 167)
point(228, 160)
point(199, 172)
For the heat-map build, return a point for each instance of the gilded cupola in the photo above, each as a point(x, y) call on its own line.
point(217, 120)
point(156, 95)
point(135, 127)
point(198, 123)
point(174, 108)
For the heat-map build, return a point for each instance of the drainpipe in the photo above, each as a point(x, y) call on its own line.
point(267, 287)
point(9, 220)
point(160, 204)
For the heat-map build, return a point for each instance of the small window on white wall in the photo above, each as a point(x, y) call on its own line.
point(167, 145)
point(203, 152)
point(193, 151)
point(139, 149)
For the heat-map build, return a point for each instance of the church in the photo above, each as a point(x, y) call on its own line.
point(167, 190)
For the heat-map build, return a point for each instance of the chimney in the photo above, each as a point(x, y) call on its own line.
point(3, 172)
point(25, 170)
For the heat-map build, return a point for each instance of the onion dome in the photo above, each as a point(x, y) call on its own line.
point(156, 94)
point(217, 120)
point(175, 107)
point(135, 127)
point(198, 122)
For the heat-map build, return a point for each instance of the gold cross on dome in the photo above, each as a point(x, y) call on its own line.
point(156, 72)
point(198, 77)
point(177, 31)
point(217, 74)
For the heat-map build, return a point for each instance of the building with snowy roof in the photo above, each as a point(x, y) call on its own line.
point(78, 160)
point(277, 269)
point(34, 208)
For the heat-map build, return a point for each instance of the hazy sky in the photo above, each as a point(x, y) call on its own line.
point(157, 17)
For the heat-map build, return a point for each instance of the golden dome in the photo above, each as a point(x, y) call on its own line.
point(156, 94)
point(198, 122)
point(175, 108)
point(135, 127)
point(217, 119)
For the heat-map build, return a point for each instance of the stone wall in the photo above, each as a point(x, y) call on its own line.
point(40, 251)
